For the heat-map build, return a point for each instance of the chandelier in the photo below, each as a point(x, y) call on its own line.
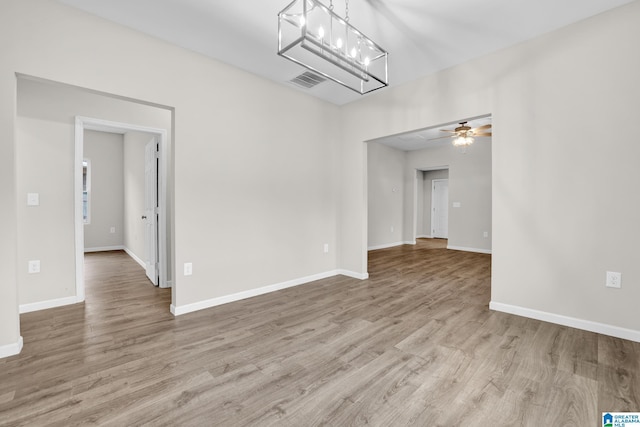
point(314, 36)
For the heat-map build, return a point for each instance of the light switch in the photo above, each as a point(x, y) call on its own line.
point(33, 199)
point(34, 266)
point(188, 269)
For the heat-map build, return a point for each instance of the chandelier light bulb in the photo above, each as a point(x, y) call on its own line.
point(302, 21)
point(321, 32)
point(367, 61)
point(339, 43)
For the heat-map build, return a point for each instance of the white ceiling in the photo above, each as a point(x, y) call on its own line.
point(421, 36)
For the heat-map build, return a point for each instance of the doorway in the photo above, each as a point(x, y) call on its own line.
point(431, 210)
point(154, 217)
point(440, 208)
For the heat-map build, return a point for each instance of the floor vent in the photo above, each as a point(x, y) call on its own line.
point(307, 80)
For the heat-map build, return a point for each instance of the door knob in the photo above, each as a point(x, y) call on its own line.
point(144, 217)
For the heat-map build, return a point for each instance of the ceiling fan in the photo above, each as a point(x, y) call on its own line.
point(464, 134)
point(464, 130)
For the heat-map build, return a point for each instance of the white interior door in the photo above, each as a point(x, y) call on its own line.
point(150, 216)
point(440, 208)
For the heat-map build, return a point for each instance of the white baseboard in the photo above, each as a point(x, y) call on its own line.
point(361, 276)
point(201, 305)
point(423, 236)
point(135, 258)
point(43, 305)
point(586, 325)
point(461, 248)
point(385, 246)
point(11, 349)
point(391, 245)
point(104, 249)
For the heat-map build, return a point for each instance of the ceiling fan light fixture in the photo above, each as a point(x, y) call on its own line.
point(463, 141)
point(314, 36)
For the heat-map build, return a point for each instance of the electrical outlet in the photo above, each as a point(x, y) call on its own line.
point(392, 228)
point(326, 248)
point(188, 269)
point(112, 230)
point(485, 234)
point(614, 279)
point(33, 199)
point(34, 266)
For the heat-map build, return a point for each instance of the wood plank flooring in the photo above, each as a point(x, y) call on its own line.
point(414, 345)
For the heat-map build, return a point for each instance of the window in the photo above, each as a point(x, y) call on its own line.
point(86, 190)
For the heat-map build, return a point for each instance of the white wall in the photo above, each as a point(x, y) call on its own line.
point(105, 151)
point(42, 151)
point(10, 339)
point(134, 192)
point(553, 101)
point(424, 199)
point(255, 166)
point(386, 193)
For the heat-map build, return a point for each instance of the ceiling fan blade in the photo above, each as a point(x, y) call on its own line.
point(447, 130)
point(481, 127)
point(482, 134)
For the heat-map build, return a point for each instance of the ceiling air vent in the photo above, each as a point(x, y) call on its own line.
point(307, 80)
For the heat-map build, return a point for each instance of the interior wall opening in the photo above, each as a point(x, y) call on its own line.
point(126, 199)
point(398, 168)
point(51, 122)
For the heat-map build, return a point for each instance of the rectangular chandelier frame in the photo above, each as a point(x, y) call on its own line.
point(312, 35)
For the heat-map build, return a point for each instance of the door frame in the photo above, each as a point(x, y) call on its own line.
point(88, 123)
point(433, 183)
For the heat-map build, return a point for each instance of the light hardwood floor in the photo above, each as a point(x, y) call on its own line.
point(414, 345)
